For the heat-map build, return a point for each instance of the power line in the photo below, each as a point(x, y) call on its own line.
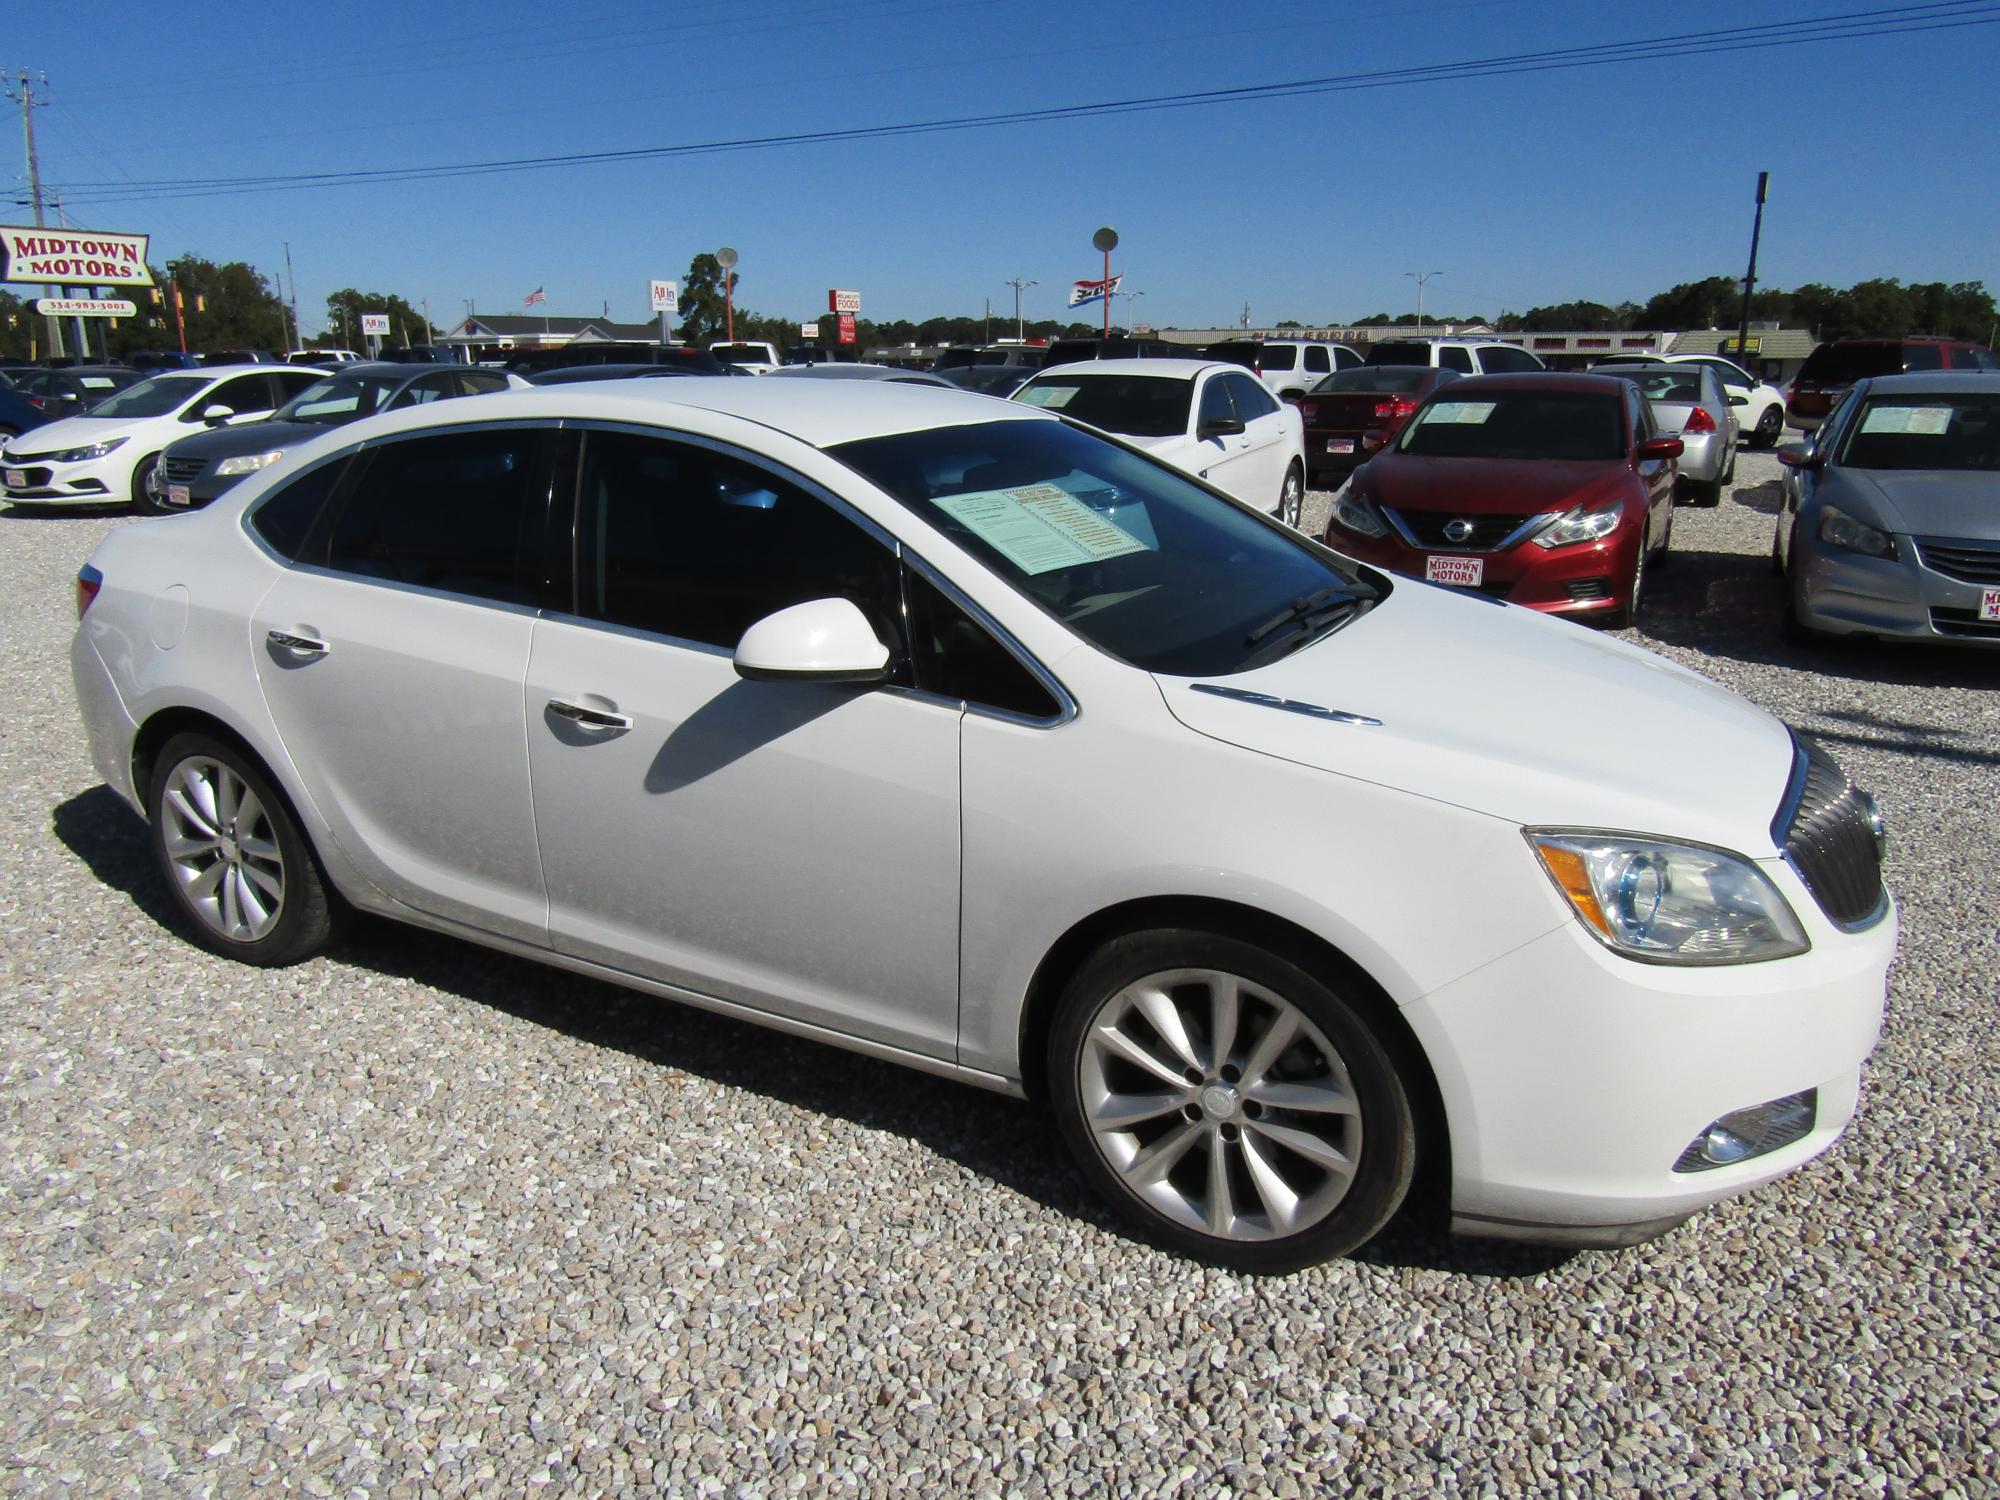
point(1936, 15)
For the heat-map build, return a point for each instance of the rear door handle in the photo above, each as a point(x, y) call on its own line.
point(585, 717)
point(298, 645)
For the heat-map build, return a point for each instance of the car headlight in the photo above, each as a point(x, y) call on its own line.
point(1582, 525)
point(1669, 903)
point(1355, 514)
point(85, 455)
point(1838, 529)
point(247, 463)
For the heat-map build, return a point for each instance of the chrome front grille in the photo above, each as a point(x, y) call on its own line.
point(182, 470)
point(1969, 562)
point(1832, 837)
point(1427, 529)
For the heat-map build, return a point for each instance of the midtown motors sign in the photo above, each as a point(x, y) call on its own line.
point(75, 257)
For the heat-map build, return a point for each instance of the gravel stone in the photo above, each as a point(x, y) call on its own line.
point(421, 1219)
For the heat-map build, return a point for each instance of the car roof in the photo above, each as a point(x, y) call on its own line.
point(819, 412)
point(1944, 382)
point(1173, 369)
point(1466, 387)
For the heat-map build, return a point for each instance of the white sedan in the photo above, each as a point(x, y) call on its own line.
point(953, 732)
point(107, 456)
point(1215, 421)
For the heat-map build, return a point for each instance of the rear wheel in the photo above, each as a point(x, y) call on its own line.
point(1229, 1102)
point(1769, 427)
point(1292, 498)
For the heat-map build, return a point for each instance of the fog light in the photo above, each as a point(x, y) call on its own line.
point(1756, 1131)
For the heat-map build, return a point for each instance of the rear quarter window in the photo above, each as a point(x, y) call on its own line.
point(284, 519)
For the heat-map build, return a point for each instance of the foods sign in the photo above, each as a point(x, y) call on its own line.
point(88, 257)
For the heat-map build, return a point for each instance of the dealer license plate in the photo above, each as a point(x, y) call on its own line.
point(1340, 445)
point(1459, 572)
point(1989, 605)
point(17, 479)
point(177, 494)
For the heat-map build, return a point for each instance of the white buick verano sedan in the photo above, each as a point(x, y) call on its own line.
point(962, 735)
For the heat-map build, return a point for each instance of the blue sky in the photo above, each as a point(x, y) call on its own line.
point(1605, 183)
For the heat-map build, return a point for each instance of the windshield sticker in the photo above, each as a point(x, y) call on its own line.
point(1047, 395)
point(1039, 527)
point(1924, 421)
point(1470, 413)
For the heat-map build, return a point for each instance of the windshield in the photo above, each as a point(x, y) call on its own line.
point(1385, 379)
point(342, 398)
point(1913, 431)
point(1135, 405)
point(744, 354)
point(1842, 364)
point(154, 398)
point(1553, 425)
point(1137, 560)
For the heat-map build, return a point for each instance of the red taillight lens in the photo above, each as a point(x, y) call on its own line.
point(88, 582)
point(1309, 410)
point(37, 402)
point(1394, 407)
point(1699, 421)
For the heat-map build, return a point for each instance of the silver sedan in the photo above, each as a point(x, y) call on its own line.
point(1890, 525)
point(1688, 402)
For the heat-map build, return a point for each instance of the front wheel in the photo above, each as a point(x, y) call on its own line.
point(1229, 1102)
point(143, 499)
point(1769, 427)
point(239, 868)
point(1292, 498)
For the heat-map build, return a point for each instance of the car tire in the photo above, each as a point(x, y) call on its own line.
point(1770, 427)
point(1198, 1035)
point(142, 497)
point(243, 878)
point(1791, 624)
point(1728, 475)
point(1292, 497)
point(1627, 615)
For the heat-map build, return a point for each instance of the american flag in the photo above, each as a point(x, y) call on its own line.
point(534, 297)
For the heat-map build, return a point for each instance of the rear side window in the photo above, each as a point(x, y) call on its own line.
point(1401, 352)
point(1923, 357)
point(1503, 359)
point(284, 519)
point(1973, 357)
point(463, 512)
point(1455, 359)
point(1316, 361)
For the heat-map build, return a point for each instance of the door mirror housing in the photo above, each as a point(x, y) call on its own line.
point(215, 413)
point(1736, 398)
point(1661, 447)
point(822, 640)
point(1798, 456)
point(1220, 427)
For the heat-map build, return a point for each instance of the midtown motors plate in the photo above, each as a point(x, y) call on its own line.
point(1459, 572)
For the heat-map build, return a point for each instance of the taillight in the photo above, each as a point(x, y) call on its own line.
point(1699, 421)
point(88, 582)
point(37, 402)
point(1309, 410)
point(1396, 406)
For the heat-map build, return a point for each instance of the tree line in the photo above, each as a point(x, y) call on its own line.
point(1879, 308)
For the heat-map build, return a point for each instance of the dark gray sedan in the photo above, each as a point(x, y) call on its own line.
point(196, 469)
point(1890, 525)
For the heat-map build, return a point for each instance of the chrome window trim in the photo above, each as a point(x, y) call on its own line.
point(1067, 708)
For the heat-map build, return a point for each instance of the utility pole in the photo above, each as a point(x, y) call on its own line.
point(291, 276)
point(1246, 317)
point(1750, 279)
point(25, 96)
point(1019, 285)
point(1420, 280)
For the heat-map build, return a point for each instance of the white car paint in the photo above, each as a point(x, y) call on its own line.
point(890, 871)
point(1251, 465)
point(1760, 398)
point(107, 479)
point(754, 356)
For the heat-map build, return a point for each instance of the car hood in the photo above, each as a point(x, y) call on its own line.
point(1488, 486)
point(251, 437)
point(1509, 712)
point(1927, 502)
point(76, 432)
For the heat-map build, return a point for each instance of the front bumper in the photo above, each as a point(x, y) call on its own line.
point(100, 481)
point(1583, 579)
point(1899, 598)
point(1573, 1078)
point(199, 490)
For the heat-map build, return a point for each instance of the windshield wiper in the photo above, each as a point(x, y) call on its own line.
point(1298, 609)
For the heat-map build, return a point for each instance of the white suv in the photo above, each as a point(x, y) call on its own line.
point(1467, 356)
point(1288, 367)
point(752, 356)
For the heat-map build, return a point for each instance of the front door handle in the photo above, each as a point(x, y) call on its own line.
point(585, 717)
point(297, 644)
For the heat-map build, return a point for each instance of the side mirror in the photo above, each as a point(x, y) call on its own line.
point(822, 640)
point(1220, 427)
point(1739, 400)
point(216, 413)
point(1661, 447)
point(1798, 456)
point(1373, 439)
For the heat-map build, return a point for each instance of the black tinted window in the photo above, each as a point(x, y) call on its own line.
point(957, 657)
point(1503, 358)
point(1922, 357)
point(1316, 360)
point(683, 541)
point(1281, 357)
point(1400, 352)
point(246, 393)
point(1251, 399)
point(285, 518)
point(1372, 378)
point(1456, 359)
point(462, 511)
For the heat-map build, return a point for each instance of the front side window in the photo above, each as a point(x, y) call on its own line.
point(1215, 403)
point(464, 512)
point(1129, 554)
point(679, 540)
point(1251, 399)
point(955, 656)
point(1316, 360)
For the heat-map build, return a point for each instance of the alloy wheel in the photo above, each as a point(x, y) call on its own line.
point(1292, 499)
point(222, 849)
point(1219, 1104)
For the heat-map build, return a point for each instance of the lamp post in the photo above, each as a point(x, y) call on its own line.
point(1019, 285)
point(1106, 239)
point(1128, 296)
point(1750, 279)
point(1420, 280)
point(726, 258)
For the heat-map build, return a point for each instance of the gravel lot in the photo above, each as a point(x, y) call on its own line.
point(420, 1219)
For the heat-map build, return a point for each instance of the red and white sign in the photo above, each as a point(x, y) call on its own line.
point(1459, 572)
point(84, 307)
point(843, 302)
point(1989, 604)
point(847, 328)
point(80, 257)
point(666, 296)
point(808, 330)
point(375, 325)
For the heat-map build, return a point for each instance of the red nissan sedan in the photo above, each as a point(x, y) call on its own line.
point(1541, 489)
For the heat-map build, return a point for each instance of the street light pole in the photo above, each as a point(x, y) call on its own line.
point(1128, 296)
point(1420, 280)
point(1750, 280)
point(1018, 284)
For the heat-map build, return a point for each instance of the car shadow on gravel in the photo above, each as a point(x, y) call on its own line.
point(1004, 1140)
